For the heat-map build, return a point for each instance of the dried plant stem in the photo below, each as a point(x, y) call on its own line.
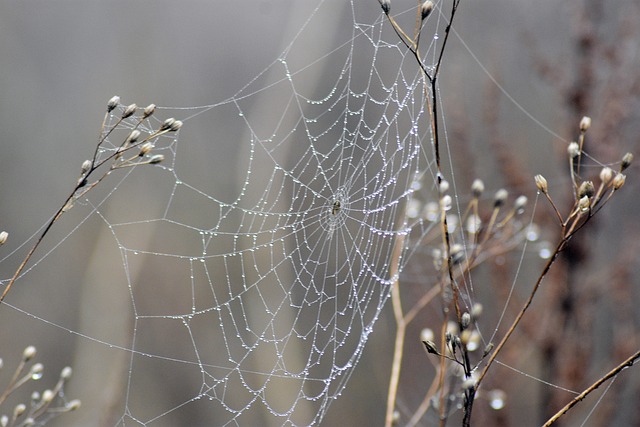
point(400, 331)
point(627, 363)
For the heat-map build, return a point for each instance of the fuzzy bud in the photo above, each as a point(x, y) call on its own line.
point(156, 159)
point(425, 9)
point(133, 136)
point(585, 123)
point(521, 203)
point(3, 237)
point(145, 148)
point(166, 125)
point(618, 181)
point(606, 174)
point(29, 353)
point(626, 161)
point(541, 183)
point(149, 110)
point(19, 410)
point(465, 320)
point(74, 405)
point(500, 198)
point(86, 166)
point(444, 186)
point(430, 346)
point(47, 396)
point(113, 103)
point(477, 188)
point(573, 149)
point(386, 5)
point(175, 126)
point(66, 372)
point(128, 112)
point(586, 189)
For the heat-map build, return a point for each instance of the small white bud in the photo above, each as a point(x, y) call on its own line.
point(606, 174)
point(177, 124)
point(500, 197)
point(128, 112)
point(3, 237)
point(585, 123)
point(29, 353)
point(74, 405)
point(66, 372)
point(444, 186)
point(145, 148)
point(113, 103)
point(626, 161)
point(425, 9)
point(386, 5)
point(156, 159)
point(477, 188)
point(149, 110)
point(573, 149)
point(86, 166)
point(167, 123)
point(521, 203)
point(19, 410)
point(133, 136)
point(47, 396)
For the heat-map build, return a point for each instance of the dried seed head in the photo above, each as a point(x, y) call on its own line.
point(541, 183)
point(618, 181)
point(47, 396)
point(167, 124)
point(145, 148)
point(425, 9)
point(36, 371)
point(586, 189)
point(606, 174)
point(521, 203)
point(430, 346)
point(584, 203)
point(86, 166)
point(465, 320)
point(156, 159)
point(585, 123)
point(133, 136)
point(149, 110)
point(573, 149)
point(626, 161)
point(177, 124)
point(444, 186)
point(477, 188)
point(19, 410)
point(113, 103)
point(500, 197)
point(386, 5)
point(29, 353)
point(128, 112)
point(74, 405)
point(3, 237)
point(66, 372)
point(457, 253)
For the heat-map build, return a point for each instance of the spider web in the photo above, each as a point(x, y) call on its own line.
point(253, 277)
point(279, 285)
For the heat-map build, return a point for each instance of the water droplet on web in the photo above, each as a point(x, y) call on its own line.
point(533, 233)
point(545, 250)
point(497, 399)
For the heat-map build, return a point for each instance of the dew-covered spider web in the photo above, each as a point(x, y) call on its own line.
point(276, 284)
point(245, 259)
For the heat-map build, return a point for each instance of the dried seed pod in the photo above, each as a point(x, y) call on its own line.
point(541, 183)
point(585, 123)
point(477, 188)
point(128, 112)
point(149, 110)
point(113, 103)
point(425, 9)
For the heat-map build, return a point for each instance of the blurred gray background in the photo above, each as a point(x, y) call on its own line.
point(62, 60)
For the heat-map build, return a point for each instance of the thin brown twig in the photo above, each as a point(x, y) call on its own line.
point(615, 371)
